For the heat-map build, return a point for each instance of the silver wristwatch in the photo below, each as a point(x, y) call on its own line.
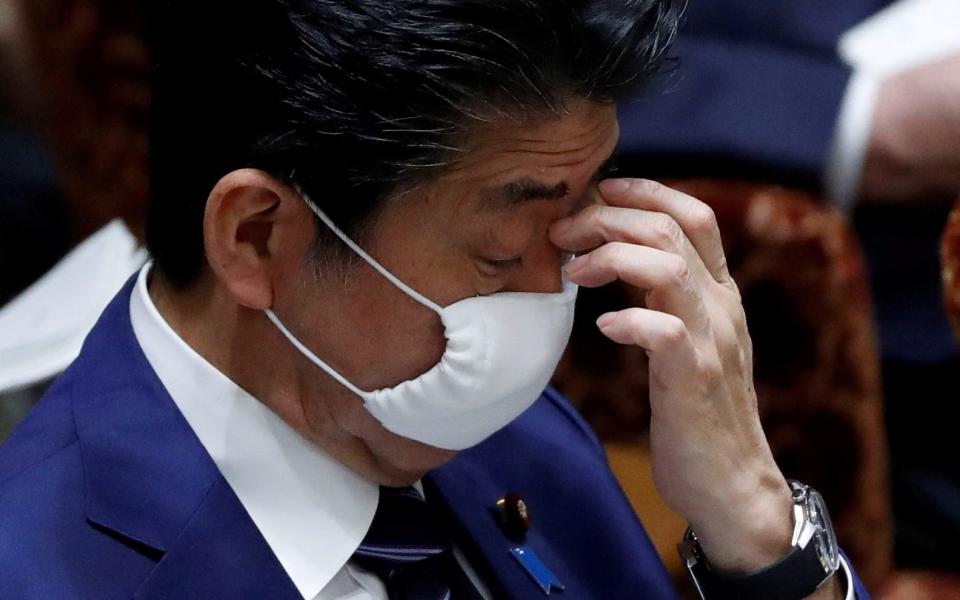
point(814, 558)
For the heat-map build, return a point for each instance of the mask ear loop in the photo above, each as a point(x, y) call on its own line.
point(417, 296)
point(313, 357)
point(369, 259)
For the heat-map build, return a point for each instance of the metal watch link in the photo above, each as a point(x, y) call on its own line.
point(814, 557)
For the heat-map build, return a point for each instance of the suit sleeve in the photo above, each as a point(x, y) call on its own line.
point(733, 106)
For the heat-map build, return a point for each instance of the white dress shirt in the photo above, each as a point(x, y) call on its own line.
point(312, 510)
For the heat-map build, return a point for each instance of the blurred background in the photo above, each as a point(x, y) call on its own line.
point(825, 134)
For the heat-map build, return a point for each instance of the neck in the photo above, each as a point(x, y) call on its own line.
point(242, 344)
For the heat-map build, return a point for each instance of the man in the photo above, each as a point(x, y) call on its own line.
point(28, 199)
point(273, 408)
point(76, 72)
point(761, 91)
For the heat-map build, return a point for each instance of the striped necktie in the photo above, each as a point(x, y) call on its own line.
point(407, 548)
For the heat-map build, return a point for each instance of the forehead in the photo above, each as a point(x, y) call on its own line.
point(581, 138)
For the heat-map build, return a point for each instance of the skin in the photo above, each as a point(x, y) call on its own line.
point(913, 154)
point(457, 236)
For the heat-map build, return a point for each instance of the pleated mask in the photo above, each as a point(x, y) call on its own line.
point(501, 350)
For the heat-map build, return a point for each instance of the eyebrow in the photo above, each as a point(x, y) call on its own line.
point(527, 189)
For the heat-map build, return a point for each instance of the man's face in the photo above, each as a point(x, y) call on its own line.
point(479, 228)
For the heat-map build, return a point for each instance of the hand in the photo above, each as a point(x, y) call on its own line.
point(914, 147)
point(711, 460)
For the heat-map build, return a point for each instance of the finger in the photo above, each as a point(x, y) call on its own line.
point(665, 338)
point(599, 224)
point(696, 218)
point(647, 268)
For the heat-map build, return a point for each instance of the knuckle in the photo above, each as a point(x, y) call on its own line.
point(711, 368)
point(599, 219)
point(729, 299)
point(594, 215)
point(617, 252)
point(648, 187)
point(677, 270)
point(674, 332)
point(608, 256)
point(632, 319)
point(740, 328)
point(666, 231)
point(704, 218)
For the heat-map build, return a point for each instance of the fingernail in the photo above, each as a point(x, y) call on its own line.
point(606, 319)
point(613, 187)
point(575, 265)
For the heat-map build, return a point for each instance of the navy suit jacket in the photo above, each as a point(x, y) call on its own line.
point(105, 492)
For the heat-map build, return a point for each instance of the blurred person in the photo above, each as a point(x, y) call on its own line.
point(79, 86)
point(93, 65)
point(328, 179)
point(766, 86)
point(761, 91)
point(29, 204)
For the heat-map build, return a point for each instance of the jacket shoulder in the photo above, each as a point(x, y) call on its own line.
point(567, 412)
point(46, 430)
point(48, 547)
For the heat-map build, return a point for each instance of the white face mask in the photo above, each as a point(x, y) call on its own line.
point(501, 351)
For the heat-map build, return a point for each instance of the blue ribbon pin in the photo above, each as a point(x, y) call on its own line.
point(532, 564)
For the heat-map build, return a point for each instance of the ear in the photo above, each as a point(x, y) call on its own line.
point(255, 229)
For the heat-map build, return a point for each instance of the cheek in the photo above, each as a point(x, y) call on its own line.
point(416, 346)
point(402, 340)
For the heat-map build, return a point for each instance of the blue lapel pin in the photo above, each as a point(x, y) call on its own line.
point(514, 516)
point(532, 564)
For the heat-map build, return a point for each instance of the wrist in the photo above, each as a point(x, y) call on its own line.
point(748, 534)
point(807, 569)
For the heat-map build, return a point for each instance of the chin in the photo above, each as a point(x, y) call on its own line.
point(404, 461)
point(397, 461)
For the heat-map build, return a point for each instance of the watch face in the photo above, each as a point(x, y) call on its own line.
point(825, 538)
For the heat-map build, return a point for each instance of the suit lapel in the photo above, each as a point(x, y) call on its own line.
point(582, 527)
point(149, 480)
point(219, 554)
point(467, 492)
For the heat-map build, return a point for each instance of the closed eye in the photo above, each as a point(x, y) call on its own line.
point(502, 263)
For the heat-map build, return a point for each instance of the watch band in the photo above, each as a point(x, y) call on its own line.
point(794, 577)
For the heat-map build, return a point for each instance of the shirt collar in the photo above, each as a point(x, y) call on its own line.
point(312, 510)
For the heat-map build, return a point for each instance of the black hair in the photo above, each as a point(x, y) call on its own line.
point(351, 98)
